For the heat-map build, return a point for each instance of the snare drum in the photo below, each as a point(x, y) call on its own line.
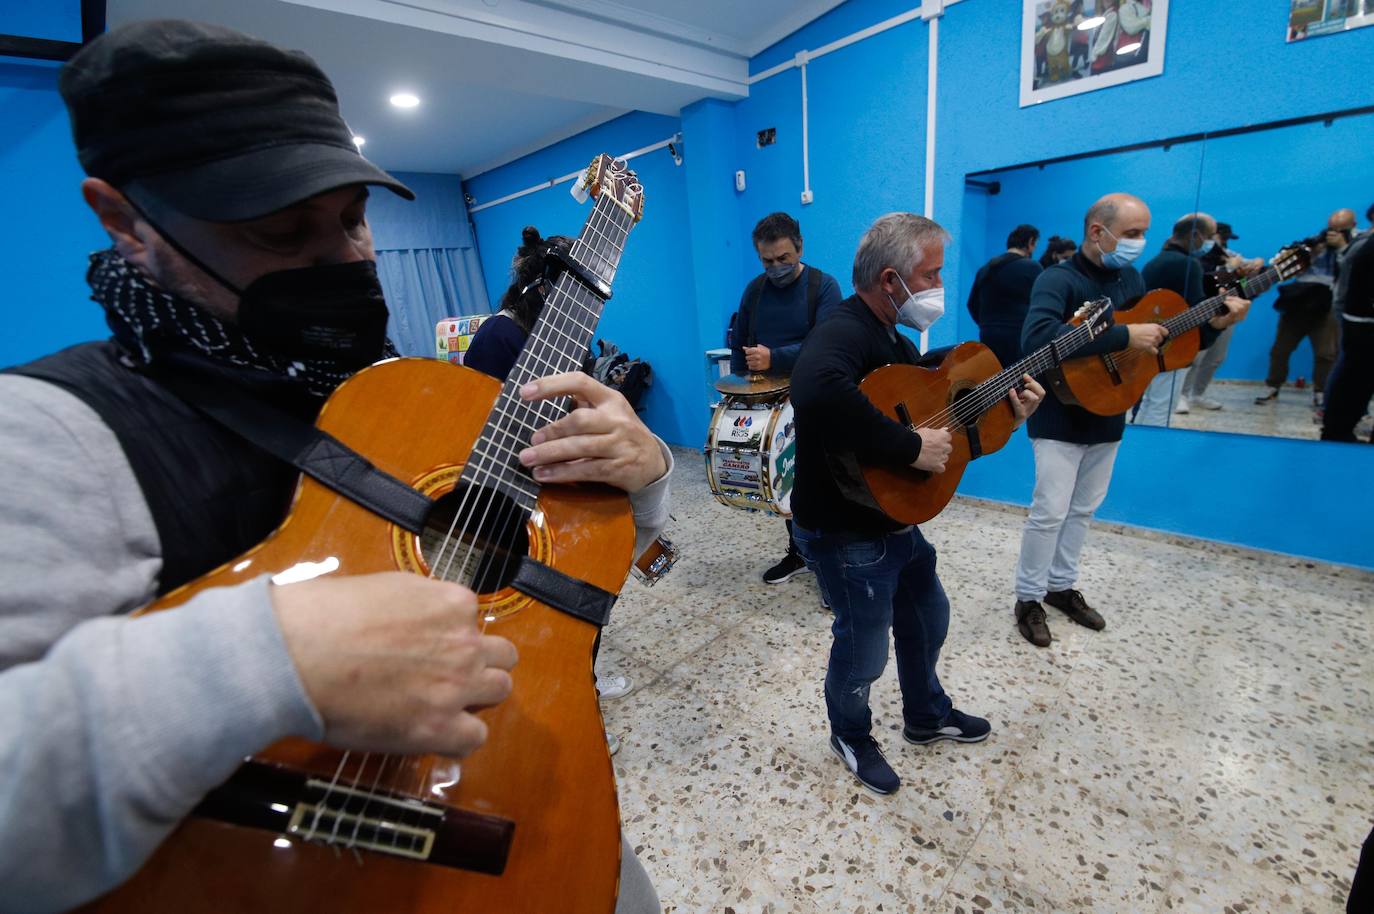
point(751, 453)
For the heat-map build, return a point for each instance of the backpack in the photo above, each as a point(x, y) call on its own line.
point(615, 369)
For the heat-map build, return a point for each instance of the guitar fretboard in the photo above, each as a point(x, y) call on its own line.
point(558, 343)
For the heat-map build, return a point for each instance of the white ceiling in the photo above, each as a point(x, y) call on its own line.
point(501, 78)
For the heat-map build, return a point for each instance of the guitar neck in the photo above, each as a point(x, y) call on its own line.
point(983, 397)
point(1215, 306)
point(557, 343)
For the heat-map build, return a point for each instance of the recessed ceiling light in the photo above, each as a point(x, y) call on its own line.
point(359, 141)
point(1128, 48)
point(1092, 23)
point(405, 100)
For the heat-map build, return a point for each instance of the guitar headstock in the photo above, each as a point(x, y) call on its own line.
point(1292, 260)
point(1096, 315)
point(612, 177)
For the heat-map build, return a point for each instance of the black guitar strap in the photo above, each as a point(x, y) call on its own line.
point(341, 469)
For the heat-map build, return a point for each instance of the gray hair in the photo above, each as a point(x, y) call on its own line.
point(898, 241)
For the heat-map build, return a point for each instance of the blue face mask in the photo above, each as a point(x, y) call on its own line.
point(1127, 250)
point(1206, 246)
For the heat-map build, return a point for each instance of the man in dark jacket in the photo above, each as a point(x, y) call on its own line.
point(1352, 380)
point(877, 574)
point(1001, 294)
point(1178, 267)
point(776, 312)
point(1075, 449)
point(235, 201)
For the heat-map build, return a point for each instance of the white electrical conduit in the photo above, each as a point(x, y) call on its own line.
point(553, 182)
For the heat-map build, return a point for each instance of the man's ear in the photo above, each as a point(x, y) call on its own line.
point(117, 216)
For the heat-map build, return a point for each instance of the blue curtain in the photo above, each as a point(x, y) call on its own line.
point(427, 258)
point(425, 285)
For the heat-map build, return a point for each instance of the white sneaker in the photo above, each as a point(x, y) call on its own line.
point(608, 687)
point(612, 742)
point(1182, 407)
point(1207, 403)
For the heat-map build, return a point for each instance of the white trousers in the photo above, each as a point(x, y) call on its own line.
point(1158, 400)
point(1070, 482)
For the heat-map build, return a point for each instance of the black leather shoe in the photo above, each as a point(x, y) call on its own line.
point(1030, 622)
point(1076, 608)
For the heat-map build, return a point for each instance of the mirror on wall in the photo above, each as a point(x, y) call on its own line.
point(1261, 189)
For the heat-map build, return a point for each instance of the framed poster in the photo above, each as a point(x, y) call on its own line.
point(1073, 46)
point(1310, 18)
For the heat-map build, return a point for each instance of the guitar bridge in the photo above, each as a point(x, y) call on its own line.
point(378, 825)
point(347, 817)
point(1110, 361)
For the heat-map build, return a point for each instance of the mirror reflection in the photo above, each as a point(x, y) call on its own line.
point(1276, 214)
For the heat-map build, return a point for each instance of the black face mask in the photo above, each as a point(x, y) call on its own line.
point(334, 312)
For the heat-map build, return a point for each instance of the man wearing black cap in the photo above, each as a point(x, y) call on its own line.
point(241, 259)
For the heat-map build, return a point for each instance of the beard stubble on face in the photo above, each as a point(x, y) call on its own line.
point(165, 267)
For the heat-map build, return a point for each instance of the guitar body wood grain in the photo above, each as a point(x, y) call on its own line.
point(913, 496)
point(1111, 384)
point(545, 766)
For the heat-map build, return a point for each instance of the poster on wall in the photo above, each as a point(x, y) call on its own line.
point(453, 335)
point(1073, 46)
point(1310, 18)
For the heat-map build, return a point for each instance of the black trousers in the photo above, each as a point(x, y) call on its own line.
point(1351, 383)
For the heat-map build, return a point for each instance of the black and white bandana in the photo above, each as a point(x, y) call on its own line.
point(151, 321)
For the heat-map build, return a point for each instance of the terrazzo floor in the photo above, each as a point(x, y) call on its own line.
point(1211, 751)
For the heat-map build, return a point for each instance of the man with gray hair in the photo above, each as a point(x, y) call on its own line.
point(876, 573)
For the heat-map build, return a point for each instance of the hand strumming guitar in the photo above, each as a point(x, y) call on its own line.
point(936, 443)
point(1148, 337)
point(394, 662)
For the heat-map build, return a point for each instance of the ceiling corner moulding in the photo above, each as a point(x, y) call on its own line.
point(543, 29)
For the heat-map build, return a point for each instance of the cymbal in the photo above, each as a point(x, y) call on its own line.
point(751, 385)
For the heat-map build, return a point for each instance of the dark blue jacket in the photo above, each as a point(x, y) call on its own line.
point(783, 319)
point(495, 346)
point(1058, 293)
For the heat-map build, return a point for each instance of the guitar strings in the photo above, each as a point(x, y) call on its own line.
point(510, 407)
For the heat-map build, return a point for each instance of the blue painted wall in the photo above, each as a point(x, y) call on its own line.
point(867, 114)
point(1273, 186)
point(652, 313)
point(1255, 496)
point(47, 230)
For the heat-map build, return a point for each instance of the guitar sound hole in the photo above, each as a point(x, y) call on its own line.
point(486, 544)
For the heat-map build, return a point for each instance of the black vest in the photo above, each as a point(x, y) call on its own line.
point(212, 495)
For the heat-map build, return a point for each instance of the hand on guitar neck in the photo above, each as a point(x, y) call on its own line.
point(1236, 309)
point(600, 441)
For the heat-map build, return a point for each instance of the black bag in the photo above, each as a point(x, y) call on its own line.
point(618, 371)
point(1303, 299)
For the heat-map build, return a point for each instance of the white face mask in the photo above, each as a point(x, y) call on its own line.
point(921, 309)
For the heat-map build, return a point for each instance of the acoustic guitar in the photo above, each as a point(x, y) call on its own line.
point(967, 394)
point(1111, 383)
point(530, 821)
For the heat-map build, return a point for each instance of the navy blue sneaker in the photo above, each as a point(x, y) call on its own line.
point(865, 759)
point(958, 726)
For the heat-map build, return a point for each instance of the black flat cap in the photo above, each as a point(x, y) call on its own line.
point(209, 121)
point(1224, 230)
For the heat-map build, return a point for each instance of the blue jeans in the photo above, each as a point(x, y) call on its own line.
point(873, 585)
